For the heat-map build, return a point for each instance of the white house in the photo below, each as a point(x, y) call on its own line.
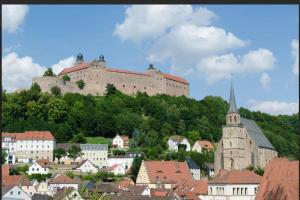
point(41, 166)
point(233, 185)
point(121, 142)
point(194, 168)
point(201, 145)
point(95, 153)
point(62, 181)
point(124, 160)
point(117, 169)
point(86, 167)
point(15, 193)
point(175, 140)
point(10, 156)
point(30, 145)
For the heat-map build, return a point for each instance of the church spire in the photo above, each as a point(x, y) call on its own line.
point(232, 105)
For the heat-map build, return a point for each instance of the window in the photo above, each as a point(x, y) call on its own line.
point(230, 118)
point(11, 192)
point(233, 191)
point(245, 191)
point(234, 118)
point(19, 192)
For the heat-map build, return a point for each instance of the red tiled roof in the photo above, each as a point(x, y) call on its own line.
point(16, 180)
point(280, 180)
point(175, 78)
point(62, 179)
point(126, 72)
point(159, 193)
point(124, 138)
point(124, 184)
point(30, 135)
point(75, 68)
point(236, 177)
point(43, 163)
point(168, 171)
point(205, 144)
point(5, 170)
point(13, 136)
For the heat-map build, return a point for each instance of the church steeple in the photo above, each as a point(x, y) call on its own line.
point(233, 116)
point(232, 104)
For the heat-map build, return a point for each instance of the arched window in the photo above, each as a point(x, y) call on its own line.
point(234, 118)
point(230, 118)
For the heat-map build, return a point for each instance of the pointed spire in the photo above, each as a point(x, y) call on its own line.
point(232, 105)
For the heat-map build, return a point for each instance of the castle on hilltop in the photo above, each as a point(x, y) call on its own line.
point(96, 75)
point(243, 143)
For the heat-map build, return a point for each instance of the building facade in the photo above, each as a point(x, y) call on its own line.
point(95, 153)
point(201, 145)
point(30, 145)
point(39, 167)
point(97, 75)
point(243, 143)
point(175, 140)
point(86, 167)
point(121, 142)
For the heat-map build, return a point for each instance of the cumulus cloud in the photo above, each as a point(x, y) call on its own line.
point(274, 107)
point(13, 16)
point(60, 65)
point(150, 21)
point(265, 80)
point(19, 71)
point(295, 55)
point(220, 67)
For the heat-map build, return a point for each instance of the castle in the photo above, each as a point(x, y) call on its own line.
point(96, 75)
point(243, 142)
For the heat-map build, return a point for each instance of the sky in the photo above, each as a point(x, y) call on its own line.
point(257, 46)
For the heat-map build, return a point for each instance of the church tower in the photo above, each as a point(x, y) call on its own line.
point(233, 116)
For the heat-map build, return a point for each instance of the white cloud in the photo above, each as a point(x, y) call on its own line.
point(13, 16)
point(60, 65)
point(265, 80)
point(275, 107)
point(11, 48)
point(295, 55)
point(19, 71)
point(150, 21)
point(220, 67)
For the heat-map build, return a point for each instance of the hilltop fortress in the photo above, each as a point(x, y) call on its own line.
point(96, 75)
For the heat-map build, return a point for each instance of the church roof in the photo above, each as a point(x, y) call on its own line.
point(256, 133)
point(232, 104)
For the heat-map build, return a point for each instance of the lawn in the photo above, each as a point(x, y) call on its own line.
point(98, 140)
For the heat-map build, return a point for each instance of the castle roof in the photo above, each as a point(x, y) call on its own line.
point(256, 133)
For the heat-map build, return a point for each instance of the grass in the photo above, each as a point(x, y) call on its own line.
point(99, 140)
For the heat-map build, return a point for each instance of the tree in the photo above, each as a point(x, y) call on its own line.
point(74, 152)
point(56, 91)
point(79, 138)
point(110, 90)
point(35, 87)
point(80, 84)
point(49, 72)
point(66, 78)
point(3, 156)
point(57, 110)
point(137, 161)
point(59, 153)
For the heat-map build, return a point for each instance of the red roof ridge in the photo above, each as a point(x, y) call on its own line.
point(175, 78)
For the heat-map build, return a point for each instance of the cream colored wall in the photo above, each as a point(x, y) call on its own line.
point(143, 177)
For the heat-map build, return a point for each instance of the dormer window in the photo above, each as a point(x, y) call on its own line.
point(178, 171)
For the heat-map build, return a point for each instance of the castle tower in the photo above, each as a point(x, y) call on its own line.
point(79, 59)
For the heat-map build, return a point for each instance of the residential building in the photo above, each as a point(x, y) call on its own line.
point(209, 170)
point(125, 184)
point(117, 169)
point(124, 160)
point(41, 197)
point(243, 143)
point(62, 181)
point(201, 145)
point(67, 194)
point(14, 193)
point(233, 185)
point(280, 180)
point(176, 140)
point(42, 188)
point(10, 156)
point(96, 75)
point(66, 159)
point(86, 166)
point(30, 145)
point(95, 153)
point(121, 142)
point(194, 168)
point(41, 166)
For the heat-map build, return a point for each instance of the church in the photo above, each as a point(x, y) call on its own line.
point(243, 143)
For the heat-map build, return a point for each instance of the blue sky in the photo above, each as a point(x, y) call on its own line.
point(202, 43)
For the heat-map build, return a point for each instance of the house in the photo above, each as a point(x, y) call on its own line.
point(143, 190)
point(30, 145)
point(42, 188)
point(117, 169)
point(124, 160)
point(41, 197)
point(121, 142)
point(10, 156)
point(176, 140)
point(67, 194)
point(107, 188)
point(67, 160)
point(86, 166)
point(62, 181)
point(280, 180)
point(41, 166)
point(194, 168)
point(95, 153)
point(209, 170)
point(163, 174)
point(243, 143)
point(233, 185)
point(125, 184)
point(14, 193)
point(201, 145)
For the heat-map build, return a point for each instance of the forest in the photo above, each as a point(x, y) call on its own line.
point(150, 120)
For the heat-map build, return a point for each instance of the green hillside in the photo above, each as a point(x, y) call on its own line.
point(151, 119)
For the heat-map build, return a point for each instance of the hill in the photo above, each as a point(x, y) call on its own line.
point(152, 119)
